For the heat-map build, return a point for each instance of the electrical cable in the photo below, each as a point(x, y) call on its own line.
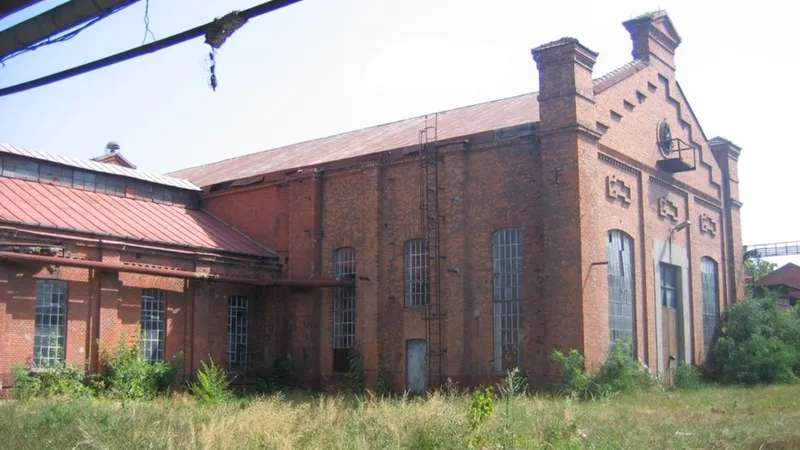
point(167, 42)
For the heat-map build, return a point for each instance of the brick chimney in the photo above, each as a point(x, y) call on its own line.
point(654, 38)
point(567, 159)
point(727, 153)
point(565, 84)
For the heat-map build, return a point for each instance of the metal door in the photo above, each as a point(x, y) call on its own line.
point(417, 366)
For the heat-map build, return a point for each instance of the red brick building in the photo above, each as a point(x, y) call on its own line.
point(457, 245)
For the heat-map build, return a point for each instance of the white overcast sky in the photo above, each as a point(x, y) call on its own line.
point(323, 67)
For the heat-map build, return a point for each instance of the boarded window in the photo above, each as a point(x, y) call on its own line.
point(344, 308)
point(50, 333)
point(416, 272)
point(152, 324)
point(237, 333)
point(708, 277)
point(507, 270)
point(621, 297)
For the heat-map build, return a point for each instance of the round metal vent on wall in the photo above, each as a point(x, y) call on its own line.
point(664, 138)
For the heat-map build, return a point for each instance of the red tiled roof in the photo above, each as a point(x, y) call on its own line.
point(37, 204)
point(451, 124)
point(788, 274)
point(493, 115)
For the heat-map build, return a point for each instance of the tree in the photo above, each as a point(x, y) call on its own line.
point(755, 268)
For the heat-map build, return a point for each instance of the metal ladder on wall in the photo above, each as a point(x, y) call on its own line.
point(431, 219)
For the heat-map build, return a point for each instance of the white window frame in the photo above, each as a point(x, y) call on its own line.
point(709, 277)
point(238, 314)
point(50, 323)
point(416, 264)
point(621, 289)
point(153, 324)
point(344, 305)
point(507, 261)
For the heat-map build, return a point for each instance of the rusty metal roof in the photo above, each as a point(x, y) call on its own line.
point(464, 121)
point(95, 166)
point(43, 205)
point(493, 115)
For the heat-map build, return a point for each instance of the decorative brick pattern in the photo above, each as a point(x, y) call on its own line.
point(617, 189)
point(667, 209)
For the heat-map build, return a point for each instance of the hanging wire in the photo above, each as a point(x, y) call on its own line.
point(147, 22)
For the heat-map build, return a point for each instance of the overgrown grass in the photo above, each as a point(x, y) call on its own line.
point(711, 417)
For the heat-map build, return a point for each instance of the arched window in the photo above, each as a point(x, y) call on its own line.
point(152, 324)
point(507, 271)
point(344, 308)
point(621, 296)
point(708, 278)
point(416, 272)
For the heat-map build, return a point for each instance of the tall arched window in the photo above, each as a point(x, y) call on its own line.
point(507, 270)
point(344, 308)
point(708, 278)
point(621, 296)
point(416, 272)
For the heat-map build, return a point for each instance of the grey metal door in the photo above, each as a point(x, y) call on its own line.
point(417, 366)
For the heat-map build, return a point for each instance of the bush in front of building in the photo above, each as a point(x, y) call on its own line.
point(758, 344)
point(60, 379)
point(618, 374)
point(687, 377)
point(131, 376)
point(212, 384)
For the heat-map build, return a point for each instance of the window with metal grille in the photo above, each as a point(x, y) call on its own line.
point(708, 278)
point(110, 185)
point(507, 270)
point(621, 296)
point(237, 333)
point(670, 286)
point(344, 308)
point(60, 176)
point(154, 308)
point(20, 168)
point(84, 180)
point(416, 271)
point(50, 331)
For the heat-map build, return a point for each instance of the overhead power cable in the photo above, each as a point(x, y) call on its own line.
point(152, 47)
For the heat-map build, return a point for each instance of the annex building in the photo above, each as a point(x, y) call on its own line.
point(458, 244)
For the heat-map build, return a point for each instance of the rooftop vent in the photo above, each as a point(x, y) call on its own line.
point(112, 147)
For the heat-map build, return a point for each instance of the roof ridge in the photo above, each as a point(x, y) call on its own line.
point(95, 166)
point(407, 119)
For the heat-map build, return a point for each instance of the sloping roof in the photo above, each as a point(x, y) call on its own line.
point(464, 121)
point(95, 166)
point(115, 158)
point(37, 204)
point(788, 275)
point(451, 124)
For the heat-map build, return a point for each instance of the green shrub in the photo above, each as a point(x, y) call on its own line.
point(574, 381)
point(212, 384)
point(59, 379)
point(356, 371)
point(279, 377)
point(618, 374)
point(130, 376)
point(480, 409)
point(758, 344)
point(686, 377)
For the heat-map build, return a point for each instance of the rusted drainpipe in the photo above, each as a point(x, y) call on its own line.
point(174, 273)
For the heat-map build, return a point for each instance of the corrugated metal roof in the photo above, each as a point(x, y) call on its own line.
point(95, 166)
point(493, 115)
point(453, 123)
point(33, 203)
